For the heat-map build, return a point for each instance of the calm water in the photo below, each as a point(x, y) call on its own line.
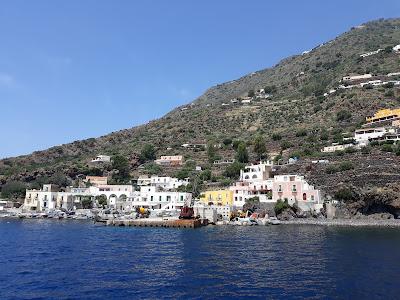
point(50, 259)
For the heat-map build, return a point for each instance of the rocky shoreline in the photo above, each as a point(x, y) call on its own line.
point(345, 222)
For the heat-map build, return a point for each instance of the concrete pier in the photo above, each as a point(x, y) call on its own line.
point(156, 223)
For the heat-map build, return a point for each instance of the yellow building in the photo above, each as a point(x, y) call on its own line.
point(383, 115)
point(220, 197)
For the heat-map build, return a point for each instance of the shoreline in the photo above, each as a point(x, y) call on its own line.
point(316, 222)
point(345, 222)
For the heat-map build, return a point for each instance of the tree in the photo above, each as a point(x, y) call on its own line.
point(242, 155)
point(259, 146)
point(211, 152)
point(87, 203)
point(121, 164)
point(60, 179)
point(233, 170)
point(148, 153)
point(343, 115)
point(13, 190)
point(102, 200)
point(251, 93)
point(153, 169)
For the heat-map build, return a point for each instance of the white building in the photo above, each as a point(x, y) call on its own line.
point(170, 160)
point(333, 148)
point(45, 198)
point(371, 53)
point(259, 172)
point(163, 182)
point(362, 136)
point(212, 212)
point(396, 48)
point(356, 77)
point(101, 159)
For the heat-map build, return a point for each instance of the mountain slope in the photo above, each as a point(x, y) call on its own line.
point(295, 120)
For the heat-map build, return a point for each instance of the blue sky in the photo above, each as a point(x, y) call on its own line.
point(77, 69)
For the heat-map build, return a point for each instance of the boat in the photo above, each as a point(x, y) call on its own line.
point(274, 221)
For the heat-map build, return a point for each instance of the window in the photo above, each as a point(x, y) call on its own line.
point(151, 198)
point(280, 188)
point(312, 197)
point(294, 188)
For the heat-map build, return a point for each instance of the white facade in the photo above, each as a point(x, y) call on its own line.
point(396, 48)
point(164, 182)
point(259, 172)
point(43, 199)
point(101, 159)
point(371, 53)
point(363, 135)
point(212, 212)
point(333, 148)
point(356, 77)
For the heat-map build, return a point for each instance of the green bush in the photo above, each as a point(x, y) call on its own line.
point(276, 137)
point(343, 115)
point(344, 194)
point(148, 153)
point(13, 190)
point(387, 148)
point(331, 169)
point(301, 132)
point(280, 206)
point(346, 165)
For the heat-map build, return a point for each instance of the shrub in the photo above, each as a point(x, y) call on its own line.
point(285, 145)
point(102, 200)
point(242, 155)
point(343, 115)
point(148, 153)
point(346, 165)
point(331, 169)
point(227, 141)
point(387, 148)
point(153, 169)
point(344, 194)
point(301, 132)
point(233, 170)
point(13, 190)
point(366, 150)
point(276, 137)
point(280, 206)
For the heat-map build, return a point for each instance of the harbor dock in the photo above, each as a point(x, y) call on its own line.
point(157, 223)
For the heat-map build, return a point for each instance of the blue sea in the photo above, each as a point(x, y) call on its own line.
point(48, 259)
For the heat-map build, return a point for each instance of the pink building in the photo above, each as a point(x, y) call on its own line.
point(295, 189)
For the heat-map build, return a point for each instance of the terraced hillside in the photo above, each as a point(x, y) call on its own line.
point(296, 119)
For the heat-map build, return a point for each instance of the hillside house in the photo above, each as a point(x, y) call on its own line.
point(396, 48)
point(357, 77)
point(100, 159)
point(336, 147)
point(362, 136)
point(96, 180)
point(170, 160)
point(258, 172)
point(371, 53)
point(295, 189)
point(224, 162)
point(384, 115)
point(42, 199)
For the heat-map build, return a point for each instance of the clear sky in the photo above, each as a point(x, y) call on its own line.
point(76, 69)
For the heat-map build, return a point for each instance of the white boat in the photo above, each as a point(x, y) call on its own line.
point(274, 221)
